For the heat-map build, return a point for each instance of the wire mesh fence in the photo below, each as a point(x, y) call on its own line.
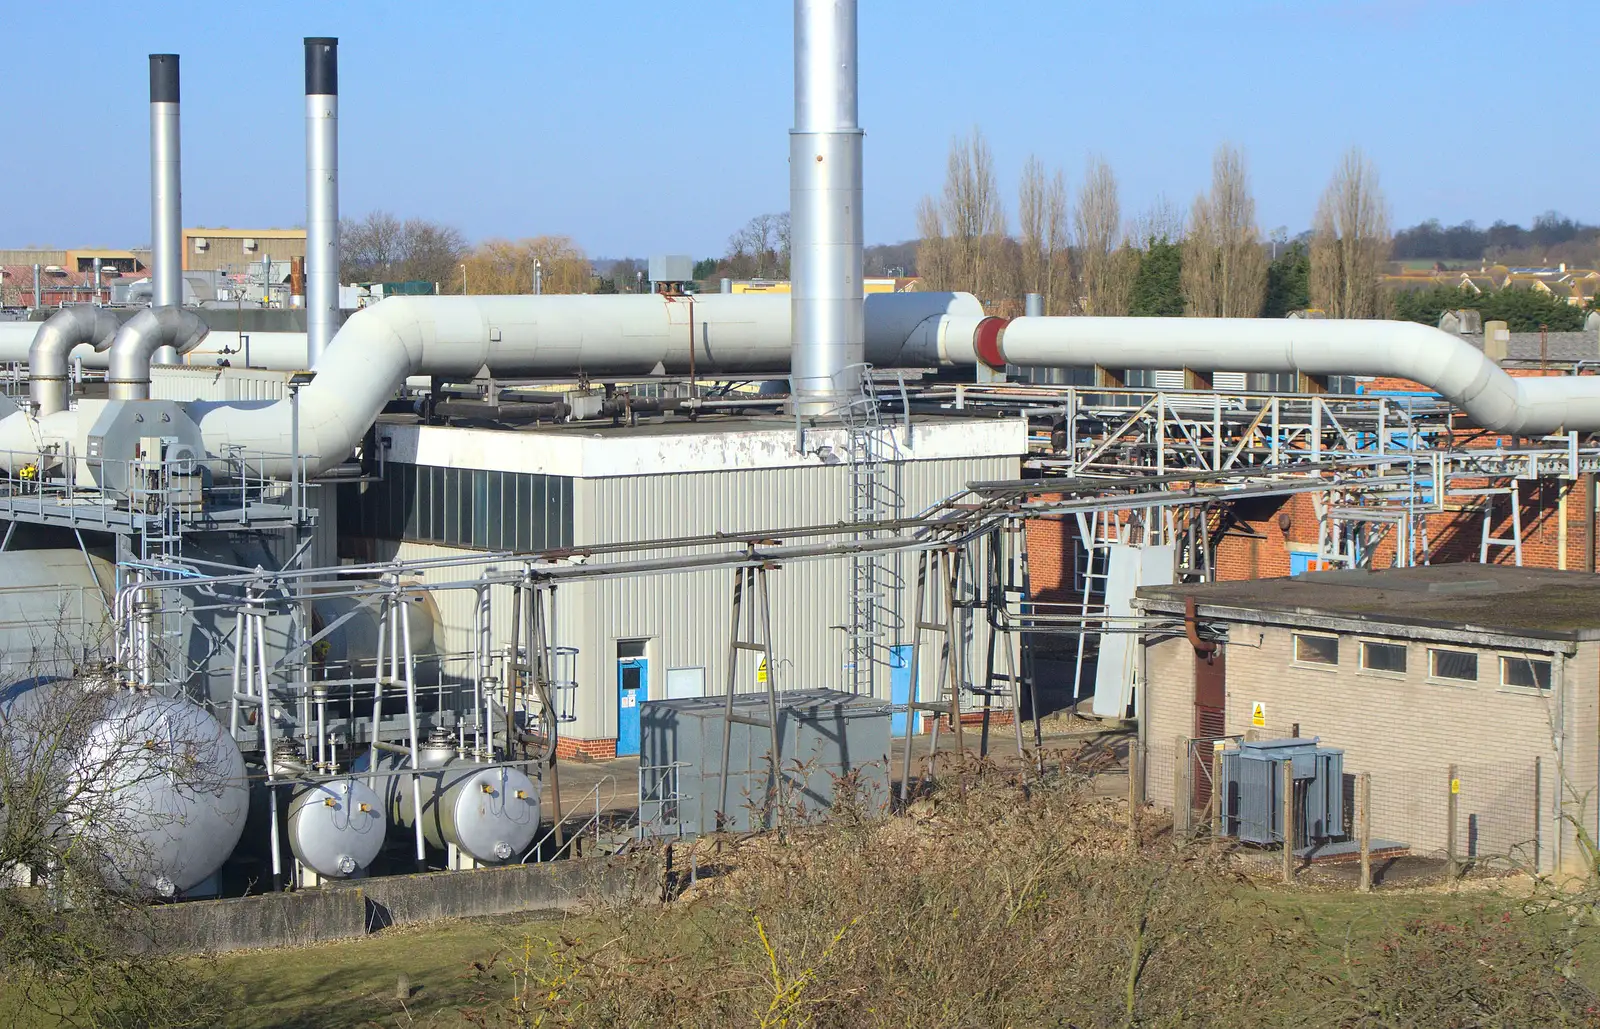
point(1472, 812)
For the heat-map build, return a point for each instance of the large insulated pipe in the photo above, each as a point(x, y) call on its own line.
point(825, 204)
point(561, 337)
point(55, 340)
point(322, 194)
point(1441, 361)
point(166, 199)
point(140, 338)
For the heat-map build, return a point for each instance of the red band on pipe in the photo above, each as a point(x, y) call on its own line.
point(986, 342)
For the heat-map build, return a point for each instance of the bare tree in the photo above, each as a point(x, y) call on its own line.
point(94, 785)
point(1042, 222)
point(1106, 266)
point(1350, 241)
point(935, 257)
point(760, 249)
point(1162, 222)
point(1224, 265)
point(500, 266)
point(382, 248)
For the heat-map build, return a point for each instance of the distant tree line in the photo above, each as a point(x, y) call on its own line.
point(1431, 240)
point(1521, 308)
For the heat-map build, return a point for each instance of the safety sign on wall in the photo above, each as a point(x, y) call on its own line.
point(1258, 715)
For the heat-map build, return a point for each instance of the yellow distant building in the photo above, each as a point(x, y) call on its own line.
point(875, 285)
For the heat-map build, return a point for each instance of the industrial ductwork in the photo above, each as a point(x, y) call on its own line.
point(559, 337)
point(322, 195)
point(48, 354)
point(166, 190)
point(1438, 360)
point(141, 337)
point(827, 327)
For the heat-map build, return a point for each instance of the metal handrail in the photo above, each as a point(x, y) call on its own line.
point(560, 821)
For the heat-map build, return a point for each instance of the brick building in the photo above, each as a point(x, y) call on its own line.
point(1488, 671)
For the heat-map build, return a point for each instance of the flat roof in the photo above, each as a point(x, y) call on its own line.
point(659, 446)
point(1532, 602)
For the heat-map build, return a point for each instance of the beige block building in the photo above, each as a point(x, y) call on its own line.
point(222, 249)
point(1492, 671)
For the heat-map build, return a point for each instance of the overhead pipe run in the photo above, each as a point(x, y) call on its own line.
point(560, 337)
point(1441, 361)
point(49, 352)
point(828, 323)
point(322, 195)
point(141, 337)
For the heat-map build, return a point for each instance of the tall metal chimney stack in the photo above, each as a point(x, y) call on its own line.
point(827, 326)
point(166, 197)
point(322, 194)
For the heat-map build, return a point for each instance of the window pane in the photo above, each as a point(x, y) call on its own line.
point(1522, 671)
point(1383, 657)
point(415, 500)
point(494, 537)
point(1454, 664)
point(1316, 650)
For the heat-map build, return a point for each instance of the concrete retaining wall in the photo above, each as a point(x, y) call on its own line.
point(354, 909)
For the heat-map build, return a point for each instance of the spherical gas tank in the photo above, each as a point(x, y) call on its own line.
point(336, 828)
point(163, 791)
point(491, 813)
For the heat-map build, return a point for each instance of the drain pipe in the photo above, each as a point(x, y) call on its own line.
point(52, 345)
point(828, 322)
point(322, 195)
point(1441, 361)
point(166, 199)
point(144, 335)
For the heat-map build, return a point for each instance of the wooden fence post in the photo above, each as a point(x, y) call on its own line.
point(1453, 867)
point(1182, 793)
point(1288, 820)
point(1134, 761)
point(1219, 822)
point(1364, 800)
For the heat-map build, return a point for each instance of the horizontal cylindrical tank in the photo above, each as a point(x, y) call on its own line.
point(336, 828)
point(488, 812)
point(146, 790)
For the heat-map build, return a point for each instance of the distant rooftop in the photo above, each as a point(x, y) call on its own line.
point(1532, 602)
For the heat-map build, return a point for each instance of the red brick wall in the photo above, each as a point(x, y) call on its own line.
point(1254, 543)
point(570, 747)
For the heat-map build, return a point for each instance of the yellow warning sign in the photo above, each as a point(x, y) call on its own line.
point(1258, 715)
point(761, 671)
point(1455, 785)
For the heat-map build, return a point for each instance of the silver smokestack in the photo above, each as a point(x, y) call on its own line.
point(827, 327)
point(322, 194)
point(166, 194)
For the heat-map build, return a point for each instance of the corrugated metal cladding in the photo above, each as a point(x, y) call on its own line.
point(685, 616)
point(483, 510)
point(184, 383)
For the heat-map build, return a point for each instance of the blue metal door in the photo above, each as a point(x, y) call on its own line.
point(632, 678)
point(899, 686)
point(1300, 563)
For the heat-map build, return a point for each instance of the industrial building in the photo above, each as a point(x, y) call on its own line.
point(1456, 678)
point(392, 567)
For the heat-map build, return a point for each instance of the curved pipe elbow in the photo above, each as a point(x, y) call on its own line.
point(52, 346)
point(136, 343)
point(1191, 629)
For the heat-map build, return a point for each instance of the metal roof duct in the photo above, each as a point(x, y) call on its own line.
point(827, 327)
point(322, 194)
point(1441, 361)
point(559, 337)
point(166, 199)
point(55, 340)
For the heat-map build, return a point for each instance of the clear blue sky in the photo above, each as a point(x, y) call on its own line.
point(639, 127)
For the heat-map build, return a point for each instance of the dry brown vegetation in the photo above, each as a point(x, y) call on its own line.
point(998, 901)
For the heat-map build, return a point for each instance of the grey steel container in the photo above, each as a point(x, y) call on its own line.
point(489, 812)
point(825, 737)
point(1252, 791)
point(336, 828)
